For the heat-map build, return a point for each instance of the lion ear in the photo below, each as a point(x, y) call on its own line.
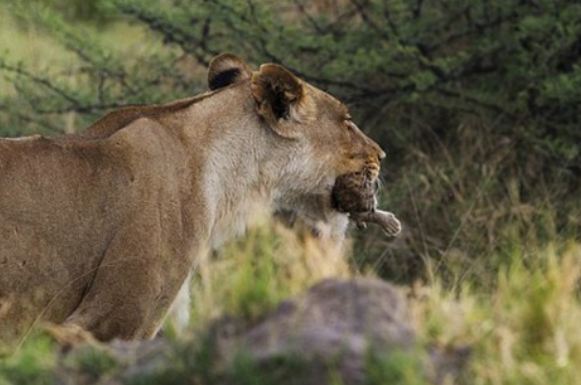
point(226, 69)
point(278, 93)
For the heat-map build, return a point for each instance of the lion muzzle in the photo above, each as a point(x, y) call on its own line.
point(356, 195)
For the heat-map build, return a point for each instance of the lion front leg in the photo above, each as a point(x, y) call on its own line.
point(179, 313)
point(135, 285)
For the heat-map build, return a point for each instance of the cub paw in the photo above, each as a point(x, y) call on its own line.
point(389, 223)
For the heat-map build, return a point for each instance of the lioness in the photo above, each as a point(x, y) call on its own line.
point(100, 230)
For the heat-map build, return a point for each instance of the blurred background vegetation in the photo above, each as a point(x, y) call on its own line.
point(476, 103)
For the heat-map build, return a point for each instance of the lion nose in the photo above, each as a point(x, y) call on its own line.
point(378, 150)
point(381, 155)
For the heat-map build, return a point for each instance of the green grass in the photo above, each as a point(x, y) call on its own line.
point(33, 364)
point(522, 330)
point(395, 368)
point(266, 266)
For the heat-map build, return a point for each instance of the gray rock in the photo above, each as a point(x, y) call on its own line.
point(329, 332)
point(337, 323)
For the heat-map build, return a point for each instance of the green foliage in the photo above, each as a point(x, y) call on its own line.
point(524, 330)
point(284, 371)
point(402, 368)
point(268, 265)
point(33, 364)
point(254, 287)
point(94, 363)
point(510, 61)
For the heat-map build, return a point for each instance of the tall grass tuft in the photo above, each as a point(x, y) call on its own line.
point(524, 330)
point(251, 275)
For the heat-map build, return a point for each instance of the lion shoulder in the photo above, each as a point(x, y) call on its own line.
point(117, 119)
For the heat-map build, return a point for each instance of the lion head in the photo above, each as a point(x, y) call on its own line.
point(317, 130)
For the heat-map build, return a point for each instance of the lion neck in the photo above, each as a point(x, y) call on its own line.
point(246, 169)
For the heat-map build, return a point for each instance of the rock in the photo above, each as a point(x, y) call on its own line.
point(114, 363)
point(336, 322)
point(325, 336)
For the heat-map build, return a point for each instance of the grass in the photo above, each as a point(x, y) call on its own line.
point(270, 264)
point(33, 364)
point(523, 330)
point(469, 204)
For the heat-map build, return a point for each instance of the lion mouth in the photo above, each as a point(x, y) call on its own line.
point(355, 192)
point(356, 195)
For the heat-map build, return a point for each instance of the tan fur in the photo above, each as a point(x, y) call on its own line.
point(100, 230)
